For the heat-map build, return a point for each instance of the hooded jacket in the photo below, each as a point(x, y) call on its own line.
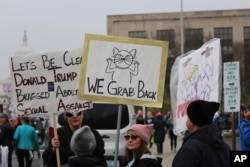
point(244, 129)
point(203, 148)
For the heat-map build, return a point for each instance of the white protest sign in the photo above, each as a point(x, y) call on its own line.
point(231, 80)
point(43, 83)
point(198, 78)
point(123, 70)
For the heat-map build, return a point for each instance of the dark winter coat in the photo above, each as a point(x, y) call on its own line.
point(6, 135)
point(65, 135)
point(159, 129)
point(146, 160)
point(203, 148)
point(84, 161)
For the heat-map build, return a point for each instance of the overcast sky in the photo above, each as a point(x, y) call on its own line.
point(61, 24)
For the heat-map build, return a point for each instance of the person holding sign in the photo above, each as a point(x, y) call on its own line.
point(63, 138)
point(204, 145)
point(137, 152)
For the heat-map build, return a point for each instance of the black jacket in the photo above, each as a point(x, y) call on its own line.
point(65, 135)
point(84, 161)
point(6, 135)
point(159, 129)
point(203, 148)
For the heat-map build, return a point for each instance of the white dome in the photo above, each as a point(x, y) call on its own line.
point(25, 48)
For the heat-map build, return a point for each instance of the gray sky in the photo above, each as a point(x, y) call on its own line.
point(61, 24)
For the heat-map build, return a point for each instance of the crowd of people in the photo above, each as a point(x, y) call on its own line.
point(77, 145)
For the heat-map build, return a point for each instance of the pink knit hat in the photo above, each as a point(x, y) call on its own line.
point(139, 113)
point(143, 131)
point(158, 114)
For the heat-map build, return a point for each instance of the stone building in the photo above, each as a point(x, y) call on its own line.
point(231, 26)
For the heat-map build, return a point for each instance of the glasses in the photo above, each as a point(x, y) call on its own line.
point(127, 137)
point(71, 114)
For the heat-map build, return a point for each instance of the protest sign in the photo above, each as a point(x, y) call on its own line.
point(43, 83)
point(123, 70)
point(198, 77)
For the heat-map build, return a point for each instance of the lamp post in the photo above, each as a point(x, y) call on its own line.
point(181, 28)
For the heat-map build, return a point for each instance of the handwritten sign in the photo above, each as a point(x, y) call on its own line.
point(123, 70)
point(199, 74)
point(43, 83)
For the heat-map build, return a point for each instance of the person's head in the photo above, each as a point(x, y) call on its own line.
point(139, 113)
point(200, 113)
point(149, 114)
point(169, 113)
point(25, 120)
point(3, 118)
point(247, 115)
point(83, 141)
point(74, 118)
point(137, 138)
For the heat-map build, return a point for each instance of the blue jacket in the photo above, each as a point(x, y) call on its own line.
point(25, 137)
point(244, 129)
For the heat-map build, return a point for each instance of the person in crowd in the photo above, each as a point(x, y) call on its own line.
point(159, 131)
point(6, 135)
point(139, 117)
point(137, 151)
point(170, 128)
point(244, 130)
point(17, 122)
point(83, 144)
point(61, 141)
point(25, 141)
point(150, 120)
point(204, 145)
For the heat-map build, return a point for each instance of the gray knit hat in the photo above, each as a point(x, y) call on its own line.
point(83, 141)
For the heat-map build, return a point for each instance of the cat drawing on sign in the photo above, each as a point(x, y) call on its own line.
point(122, 65)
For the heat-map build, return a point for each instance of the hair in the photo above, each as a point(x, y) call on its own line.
point(139, 152)
point(26, 120)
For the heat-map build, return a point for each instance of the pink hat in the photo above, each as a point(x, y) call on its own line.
point(143, 131)
point(139, 113)
point(158, 114)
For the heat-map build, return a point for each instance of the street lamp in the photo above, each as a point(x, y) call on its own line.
point(181, 28)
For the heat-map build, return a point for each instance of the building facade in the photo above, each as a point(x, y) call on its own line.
point(231, 26)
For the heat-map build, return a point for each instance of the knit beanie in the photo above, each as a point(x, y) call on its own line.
point(201, 112)
point(143, 131)
point(158, 114)
point(83, 141)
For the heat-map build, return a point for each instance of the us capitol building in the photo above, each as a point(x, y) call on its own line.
point(5, 85)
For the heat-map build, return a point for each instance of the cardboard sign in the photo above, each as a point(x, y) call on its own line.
point(123, 70)
point(43, 83)
point(199, 74)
